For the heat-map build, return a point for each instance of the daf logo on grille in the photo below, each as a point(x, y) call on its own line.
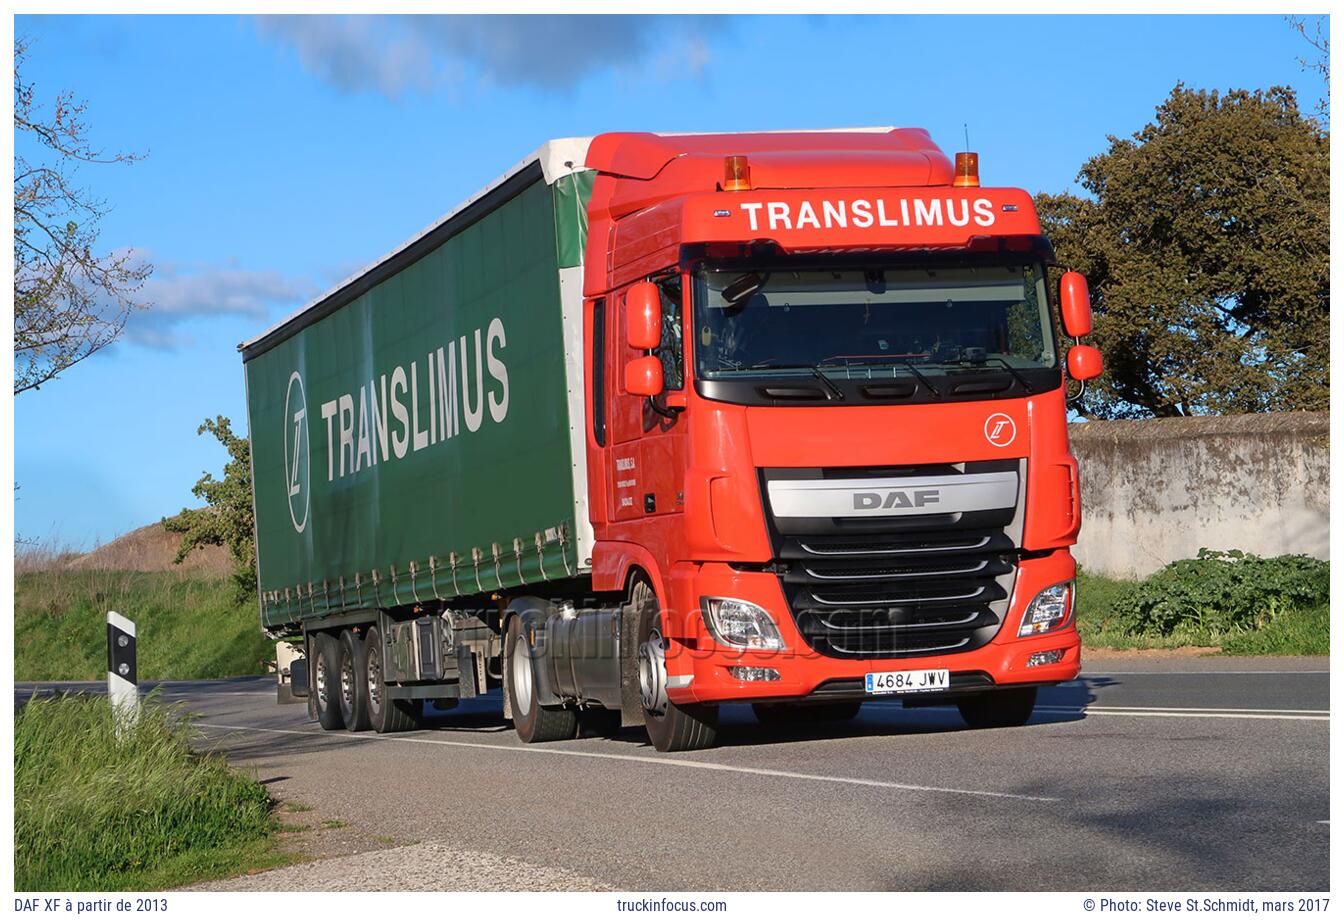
point(914, 498)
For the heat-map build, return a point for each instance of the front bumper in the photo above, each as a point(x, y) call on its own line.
point(698, 666)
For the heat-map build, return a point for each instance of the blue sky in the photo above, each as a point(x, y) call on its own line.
point(284, 153)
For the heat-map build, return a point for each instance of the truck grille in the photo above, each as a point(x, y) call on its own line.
point(920, 585)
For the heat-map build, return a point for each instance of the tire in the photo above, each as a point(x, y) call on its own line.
point(671, 727)
point(385, 715)
point(998, 708)
point(533, 722)
point(354, 686)
point(326, 681)
point(805, 714)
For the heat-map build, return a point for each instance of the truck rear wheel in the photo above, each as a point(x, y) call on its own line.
point(795, 714)
point(671, 727)
point(533, 722)
point(385, 714)
point(327, 681)
point(998, 708)
point(354, 688)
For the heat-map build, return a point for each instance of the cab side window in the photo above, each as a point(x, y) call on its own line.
point(670, 351)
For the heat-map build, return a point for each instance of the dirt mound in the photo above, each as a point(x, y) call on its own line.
point(151, 549)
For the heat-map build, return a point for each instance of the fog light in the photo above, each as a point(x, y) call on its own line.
point(1048, 610)
point(754, 673)
point(1039, 658)
point(740, 624)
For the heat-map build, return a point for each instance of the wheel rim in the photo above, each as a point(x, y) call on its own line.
point(521, 671)
point(653, 674)
point(347, 684)
point(375, 679)
point(320, 678)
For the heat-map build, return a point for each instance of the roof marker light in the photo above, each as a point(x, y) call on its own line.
point(736, 174)
point(968, 171)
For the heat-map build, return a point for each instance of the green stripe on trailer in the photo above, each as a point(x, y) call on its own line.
point(572, 193)
point(416, 441)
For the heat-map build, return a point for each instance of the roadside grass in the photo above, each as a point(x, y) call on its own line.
point(143, 811)
point(1295, 631)
point(188, 626)
point(1292, 632)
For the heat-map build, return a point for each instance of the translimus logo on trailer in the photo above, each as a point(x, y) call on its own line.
point(298, 452)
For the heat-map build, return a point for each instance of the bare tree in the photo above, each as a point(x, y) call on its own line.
point(1317, 35)
point(69, 300)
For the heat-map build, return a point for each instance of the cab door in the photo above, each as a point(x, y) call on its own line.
point(647, 445)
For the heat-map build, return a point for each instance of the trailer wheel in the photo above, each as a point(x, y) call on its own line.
point(354, 687)
point(531, 720)
point(326, 681)
point(671, 727)
point(385, 715)
point(998, 708)
point(794, 714)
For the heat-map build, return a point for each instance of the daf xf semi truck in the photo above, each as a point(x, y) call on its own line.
point(656, 423)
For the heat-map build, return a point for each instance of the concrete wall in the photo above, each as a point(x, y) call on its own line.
point(1158, 490)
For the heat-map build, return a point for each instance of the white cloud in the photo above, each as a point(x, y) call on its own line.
point(176, 294)
point(399, 55)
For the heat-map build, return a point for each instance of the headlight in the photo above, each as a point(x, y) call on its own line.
point(1048, 610)
point(740, 624)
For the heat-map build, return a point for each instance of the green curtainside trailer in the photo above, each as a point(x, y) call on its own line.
point(417, 434)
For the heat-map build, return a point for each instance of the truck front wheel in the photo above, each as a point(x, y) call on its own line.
point(998, 708)
point(531, 720)
point(671, 727)
point(327, 680)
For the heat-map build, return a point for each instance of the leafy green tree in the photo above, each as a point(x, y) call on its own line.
point(226, 520)
point(1206, 243)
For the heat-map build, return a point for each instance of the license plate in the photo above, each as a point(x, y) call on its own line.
point(907, 681)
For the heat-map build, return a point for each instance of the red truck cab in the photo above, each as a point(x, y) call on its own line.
point(826, 436)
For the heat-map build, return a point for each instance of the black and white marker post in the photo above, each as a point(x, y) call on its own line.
point(121, 681)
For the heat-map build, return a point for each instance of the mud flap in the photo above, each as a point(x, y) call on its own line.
point(627, 645)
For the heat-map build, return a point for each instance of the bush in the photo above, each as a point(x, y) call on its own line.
point(1222, 593)
point(93, 811)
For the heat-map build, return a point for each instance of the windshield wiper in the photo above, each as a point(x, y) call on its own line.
point(922, 379)
point(1026, 385)
point(816, 370)
point(928, 385)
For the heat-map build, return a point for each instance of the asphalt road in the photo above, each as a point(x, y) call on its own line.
point(1183, 774)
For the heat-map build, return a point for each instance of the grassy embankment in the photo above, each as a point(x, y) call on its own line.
point(1294, 631)
point(189, 626)
point(193, 627)
point(144, 811)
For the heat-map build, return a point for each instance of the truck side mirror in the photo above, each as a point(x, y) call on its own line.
point(1075, 307)
point(1084, 362)
point(643, 316)
point(644, 376)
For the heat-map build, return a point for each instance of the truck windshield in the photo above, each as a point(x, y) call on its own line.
point(856, 323)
